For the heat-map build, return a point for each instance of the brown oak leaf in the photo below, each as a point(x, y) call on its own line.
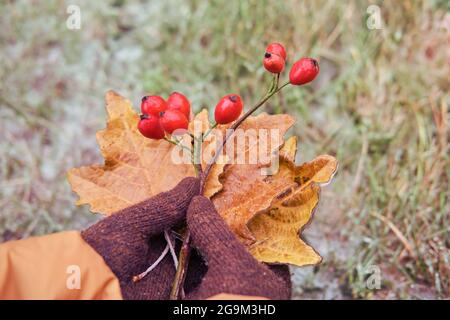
point(246, 192)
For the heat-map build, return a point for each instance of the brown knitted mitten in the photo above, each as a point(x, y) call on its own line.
point(231, 268)
point(130, 240)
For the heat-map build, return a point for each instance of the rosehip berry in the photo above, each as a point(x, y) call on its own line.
point(172, 120)
point(277, 48)
point(228, 109)
point(273, 62)
point(303, 71)
point(178, 101)
point(150, 127)
point(153, 105)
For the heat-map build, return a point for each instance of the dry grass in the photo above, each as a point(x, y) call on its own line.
point(380, 105)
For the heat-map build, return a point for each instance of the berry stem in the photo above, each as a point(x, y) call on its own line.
point(235, 125)
point(209, 130)
point(185, 251)
point(177, 143)
point(196, 155)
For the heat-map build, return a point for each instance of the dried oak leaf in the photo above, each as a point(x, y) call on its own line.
point(277, 231)
point(135, 167)
point(246, 192)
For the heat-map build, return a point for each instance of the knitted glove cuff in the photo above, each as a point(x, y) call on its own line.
point(122, 238)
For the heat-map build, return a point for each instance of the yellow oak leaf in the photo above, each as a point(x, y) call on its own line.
point(321, 170)
point(277, 231)
point(135, 167)
point(289, 149)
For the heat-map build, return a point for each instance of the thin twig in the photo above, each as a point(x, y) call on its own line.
point(153, 266)
point(397, 233)
point(196, 157)
point(209, 131)
point(183, 261)
point(177, 143)
point(185, 251)
point(171, 248)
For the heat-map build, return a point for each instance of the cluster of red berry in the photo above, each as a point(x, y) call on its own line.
point(303, 71)
point(160, 117)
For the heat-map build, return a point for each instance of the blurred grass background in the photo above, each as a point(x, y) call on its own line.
point(380, 105)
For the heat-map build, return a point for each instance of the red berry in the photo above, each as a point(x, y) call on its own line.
point(150, 127)
point(273, 62)
point(172, 120)
point(178, 101)
point(153, 105)
point(228, 109)
point(303, 71)
point(277, 48)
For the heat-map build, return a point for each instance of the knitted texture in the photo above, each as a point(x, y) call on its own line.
point(231, 268)
point(131, 240)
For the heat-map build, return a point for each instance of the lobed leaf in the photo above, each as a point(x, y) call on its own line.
point(135, 167)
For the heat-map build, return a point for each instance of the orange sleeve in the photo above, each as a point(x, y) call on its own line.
point(56, 266)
